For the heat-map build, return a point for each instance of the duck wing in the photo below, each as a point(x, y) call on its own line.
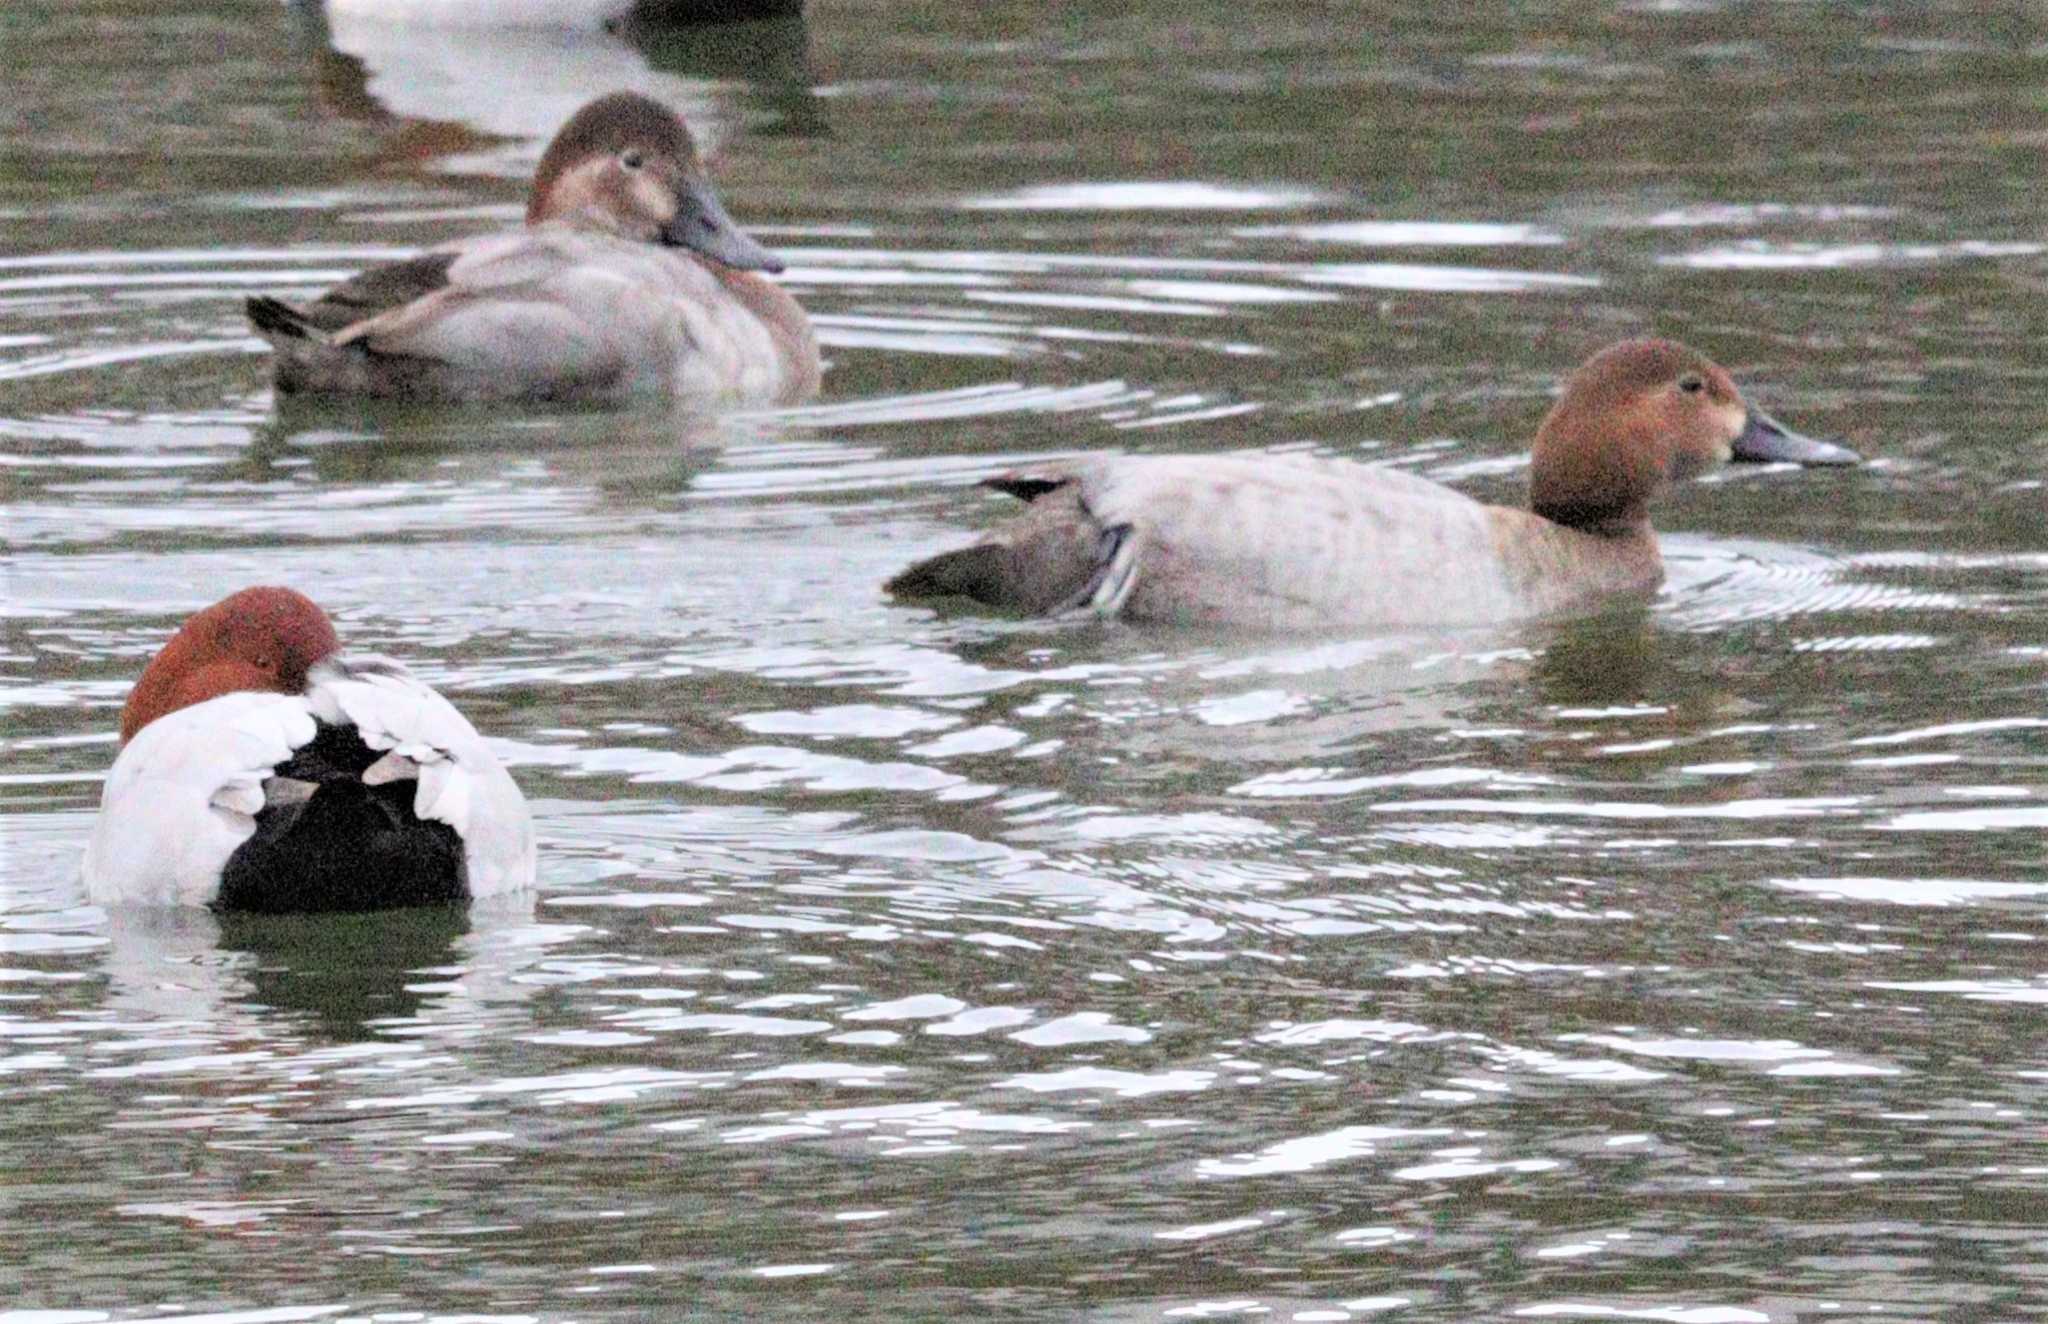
point(545, 307)
point(364, 295)
point(184, 795)
point(301, 802)
point(521, 313)
point(421, 738)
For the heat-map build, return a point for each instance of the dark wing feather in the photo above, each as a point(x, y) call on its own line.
point(1026, 486)
point(378, 290)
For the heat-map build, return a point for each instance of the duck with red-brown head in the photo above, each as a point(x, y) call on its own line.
point(260, 640)
point(261, 768)
point(1296, 542)
point(628, 279)
point(1640, 416)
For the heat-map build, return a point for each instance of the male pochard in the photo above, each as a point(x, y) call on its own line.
point(261, 769)
point(628, 278)
point(1283, 542)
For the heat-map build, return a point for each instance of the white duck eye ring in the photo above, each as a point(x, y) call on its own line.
point(632, 159)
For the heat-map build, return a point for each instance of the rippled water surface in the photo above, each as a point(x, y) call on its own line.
point(1682, 964)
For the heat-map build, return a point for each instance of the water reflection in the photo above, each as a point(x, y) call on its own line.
point(437, 91)
point(1613, 658)
point(347, 976)
point(332, 978)
point(646, 451)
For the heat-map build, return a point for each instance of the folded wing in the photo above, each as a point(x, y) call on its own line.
point(422, 737)
point(184, 794)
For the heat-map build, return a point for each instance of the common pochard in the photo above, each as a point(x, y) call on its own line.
point(262, 769)
point(1282, 542)
point(628, 279)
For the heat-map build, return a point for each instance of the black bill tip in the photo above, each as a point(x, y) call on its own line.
point(1764, 440)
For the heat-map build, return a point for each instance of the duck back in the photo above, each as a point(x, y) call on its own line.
point(1257, 541)
point(326, 840)
point(547, 312)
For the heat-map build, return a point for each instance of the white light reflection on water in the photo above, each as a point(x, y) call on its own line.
point(1759, 255)
point(1146, 195)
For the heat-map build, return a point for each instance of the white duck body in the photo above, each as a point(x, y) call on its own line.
point(1288, 542)
point(185, 793)
point(1277, 542)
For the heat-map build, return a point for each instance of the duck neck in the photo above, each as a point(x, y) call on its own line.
point(1603, 521)
point(590, 219)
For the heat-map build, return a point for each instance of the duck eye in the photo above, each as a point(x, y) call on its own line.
point(1692, 384)
point(632, 159)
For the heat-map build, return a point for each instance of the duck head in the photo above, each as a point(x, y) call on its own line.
point(626, 165)
point(263, 639)
point(1641, 415)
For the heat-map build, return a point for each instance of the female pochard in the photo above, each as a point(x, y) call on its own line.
point(261, 769)
point(628, 278)
point(1283, 542)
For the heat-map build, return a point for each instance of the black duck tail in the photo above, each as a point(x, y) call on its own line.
point(1047, 562)
point(348, 847)
point(327, 841)
point(274, 317)
point(981, 572)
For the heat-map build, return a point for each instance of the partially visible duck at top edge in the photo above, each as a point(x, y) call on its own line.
point(262, 769)
point(627, 279)
point(1283, 542)
point(558, 13)
point(489, 13)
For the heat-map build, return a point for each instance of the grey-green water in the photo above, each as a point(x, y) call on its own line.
point(1684, 964)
